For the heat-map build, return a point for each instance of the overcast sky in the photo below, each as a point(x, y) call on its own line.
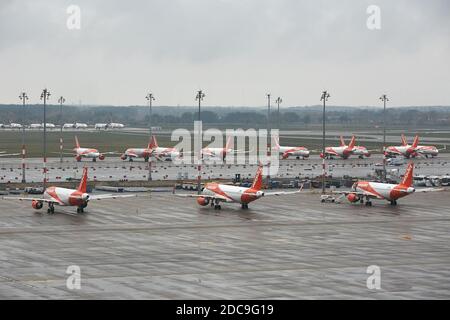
point(235, 50)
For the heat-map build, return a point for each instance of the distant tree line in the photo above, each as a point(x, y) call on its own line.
point(245, 116)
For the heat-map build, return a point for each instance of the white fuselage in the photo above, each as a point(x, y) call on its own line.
point(287, 151)
point(384, 190)
point(87, 152)
point(66, 197)
point(232, 193)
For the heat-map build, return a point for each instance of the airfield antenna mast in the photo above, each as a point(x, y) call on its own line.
point(384, 98)
point(44, 96)
point(199, 97)
point(23, 96)
point(324, 98)
point(61, 100)
point(150, 98)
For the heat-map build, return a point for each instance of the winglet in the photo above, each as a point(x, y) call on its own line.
point(153, 143)
point(404, 142)
point(408, 178)
point(342, 142)
point(416, 141)
point(257, 181)
point(83, 182)
point(77, 144)
point(351, 145)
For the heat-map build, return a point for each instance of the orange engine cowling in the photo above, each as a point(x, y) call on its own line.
point(37, 204)
point(78, 158)
point(123, 157)
point(202, 201)
point(352, 197)
point(322, 155)
point(101, 157)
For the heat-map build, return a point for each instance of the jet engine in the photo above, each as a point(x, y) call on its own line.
point(322, 155)
point(101, 157)
point(123, 157)
point(352, 197)
point(36, 204)
point(78, 158)
point(202, 201)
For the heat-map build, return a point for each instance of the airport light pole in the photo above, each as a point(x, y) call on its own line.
point(384, 98)
point(61, 100)
point(44, 96)
point(278, 101)
point(150, 98)
point(324, 98)
point(199, 97)
point(269, 144)
point(23, 96)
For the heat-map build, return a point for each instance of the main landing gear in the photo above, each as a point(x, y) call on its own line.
point(393, 202)
point(51, 208)
point(94, 159)
point(80, 210)
point(244, 206)
point(216, 205)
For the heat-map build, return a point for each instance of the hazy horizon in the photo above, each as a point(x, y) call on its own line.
point(236, 51)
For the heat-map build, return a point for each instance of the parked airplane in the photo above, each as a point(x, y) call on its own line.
point(214, 193)
point(287, 152)
point(68, 125)
point(67, 197)
point(114, 125)
point(13, 125)
point(345, 151)
point(99, 126)
point(384, 191)
point(87, 152)
point(48, 125)
point(35, 126)
point(145, 153)
point(80, 125)
point(406, 150)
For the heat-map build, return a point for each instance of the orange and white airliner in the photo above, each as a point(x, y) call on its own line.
point(345, 151)
point(3, 154)
point(411, 151)
point(286, 152)
point(89, 153)
point(384, 191)
point(67, 197)
point(215, 193)
point(160, 153)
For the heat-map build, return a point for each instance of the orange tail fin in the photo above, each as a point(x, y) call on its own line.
point(416, 141)
point(153, 143)
point(227, 145)
point(257, 181)
point(83, 182)
point(342, 142)
point(352, 142)
point(404, 142)
point(77, 144)
point(408, 178)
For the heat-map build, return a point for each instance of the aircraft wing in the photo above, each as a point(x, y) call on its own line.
point(191, 195)
point(360, 194)
point(429, 189)
point(10, 154)
point(32, 199)
point(110, 196)
point(282, 193)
